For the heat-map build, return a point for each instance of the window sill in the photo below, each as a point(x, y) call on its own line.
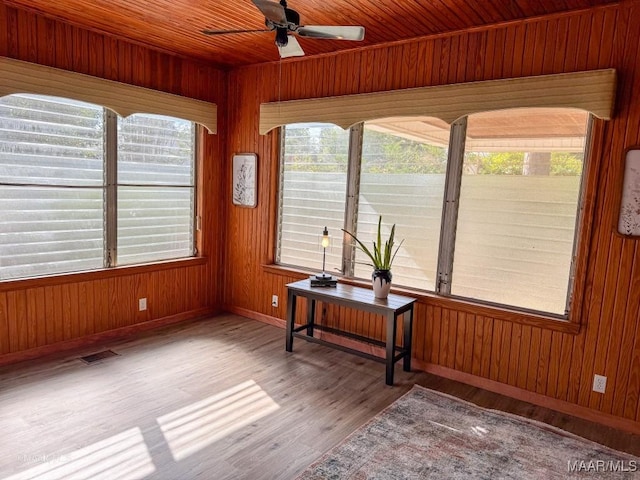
point(431, 299)
point(102, 274)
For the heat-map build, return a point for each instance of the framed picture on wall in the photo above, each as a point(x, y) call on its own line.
point(629, 220)
point(245, 180)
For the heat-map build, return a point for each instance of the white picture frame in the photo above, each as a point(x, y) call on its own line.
point(245, 174)
point(629, 218)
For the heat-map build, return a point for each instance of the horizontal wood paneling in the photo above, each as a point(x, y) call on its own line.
point(37, 314)
point(550, 362)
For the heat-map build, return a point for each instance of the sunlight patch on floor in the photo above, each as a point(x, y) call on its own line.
point(444, 426)
point(123, 456)
point(194, 427)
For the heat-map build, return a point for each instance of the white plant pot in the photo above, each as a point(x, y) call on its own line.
point(381, 283)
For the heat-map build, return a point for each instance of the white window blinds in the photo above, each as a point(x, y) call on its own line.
point(51, 197)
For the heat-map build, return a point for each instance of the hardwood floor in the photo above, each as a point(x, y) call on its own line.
point(212, 399)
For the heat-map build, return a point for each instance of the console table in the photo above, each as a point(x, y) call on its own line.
point(361, 299)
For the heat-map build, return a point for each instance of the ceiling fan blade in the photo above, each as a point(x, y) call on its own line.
point(224, 32)
point(272, 11)
point(291, 49)
point(332, 32)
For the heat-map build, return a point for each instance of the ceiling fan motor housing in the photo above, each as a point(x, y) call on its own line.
point(293, 18)
point(282, 37)
point(282, 32)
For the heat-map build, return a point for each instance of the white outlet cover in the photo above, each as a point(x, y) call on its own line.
point(274, 300)
point(142, 304)
point(599, 383)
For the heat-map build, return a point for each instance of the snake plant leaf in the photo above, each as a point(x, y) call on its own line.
point(382, 255)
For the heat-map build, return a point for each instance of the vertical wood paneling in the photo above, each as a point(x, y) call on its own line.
point(58, 314)
point(437, 342)
point(444, 335)
point(556, 364)
point(621, 346)
point(515, 70)
point(564, 367)
point(16, 317)
point(505, 354)
point(496, 351)
point(461, 325)
point(4, 325)
point(4, 32)
point(429, 340)
point(45, 315)
point(490, 48)
point(534, 358)
point(434, 78)
point(487, 339)
point(515, 339)
point(468, 342)
point(542, 380)
point(30, 320)
point(523, 359)
point(553, 366)
point(477, 346)
point(559, 365)
point(419, 327)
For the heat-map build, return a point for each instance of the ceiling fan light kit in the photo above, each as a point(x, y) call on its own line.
point(286, 22)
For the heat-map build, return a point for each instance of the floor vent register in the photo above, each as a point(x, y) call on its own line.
point(96, 357)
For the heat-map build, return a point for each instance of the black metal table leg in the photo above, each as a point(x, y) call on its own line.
point(311, 316)
point(407, 319)
point(391, 340)
point(349, 296)
point(291, 316)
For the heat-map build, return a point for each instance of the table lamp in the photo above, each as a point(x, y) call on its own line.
point(323, 279)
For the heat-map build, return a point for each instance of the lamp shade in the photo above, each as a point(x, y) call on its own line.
point(325, 238)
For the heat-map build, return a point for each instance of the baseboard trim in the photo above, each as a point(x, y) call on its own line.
point(102, 337)
point(329, 337)
point(530, 397)
point(469, 379)
point(261, 317)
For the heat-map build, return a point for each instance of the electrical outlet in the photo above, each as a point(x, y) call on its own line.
point(142, 304)
point(274, 300)
point(599, 383)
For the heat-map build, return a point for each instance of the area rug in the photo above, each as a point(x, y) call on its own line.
point(427, 434)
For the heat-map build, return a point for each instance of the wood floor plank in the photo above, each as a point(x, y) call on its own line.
point(215, 398)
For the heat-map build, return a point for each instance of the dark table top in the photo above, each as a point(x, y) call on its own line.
point(351, 296)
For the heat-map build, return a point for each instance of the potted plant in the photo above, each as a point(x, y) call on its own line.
point(381, 257)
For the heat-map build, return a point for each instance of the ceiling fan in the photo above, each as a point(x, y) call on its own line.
point(284, 21)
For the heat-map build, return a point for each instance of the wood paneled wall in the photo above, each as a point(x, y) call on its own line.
point(531, 358)
point(45, 314)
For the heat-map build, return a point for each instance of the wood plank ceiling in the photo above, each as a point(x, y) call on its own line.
point(175, 25)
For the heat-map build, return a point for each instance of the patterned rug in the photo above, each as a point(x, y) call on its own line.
point(426, 434)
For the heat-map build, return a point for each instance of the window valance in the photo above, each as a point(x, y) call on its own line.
point(17, 76)
point(593, 91)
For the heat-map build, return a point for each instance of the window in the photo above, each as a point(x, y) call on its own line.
point(312, 193)
point(156, 190)
point(506, 233)
point(58, 213)
point(518, 205)
point(402, 177)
